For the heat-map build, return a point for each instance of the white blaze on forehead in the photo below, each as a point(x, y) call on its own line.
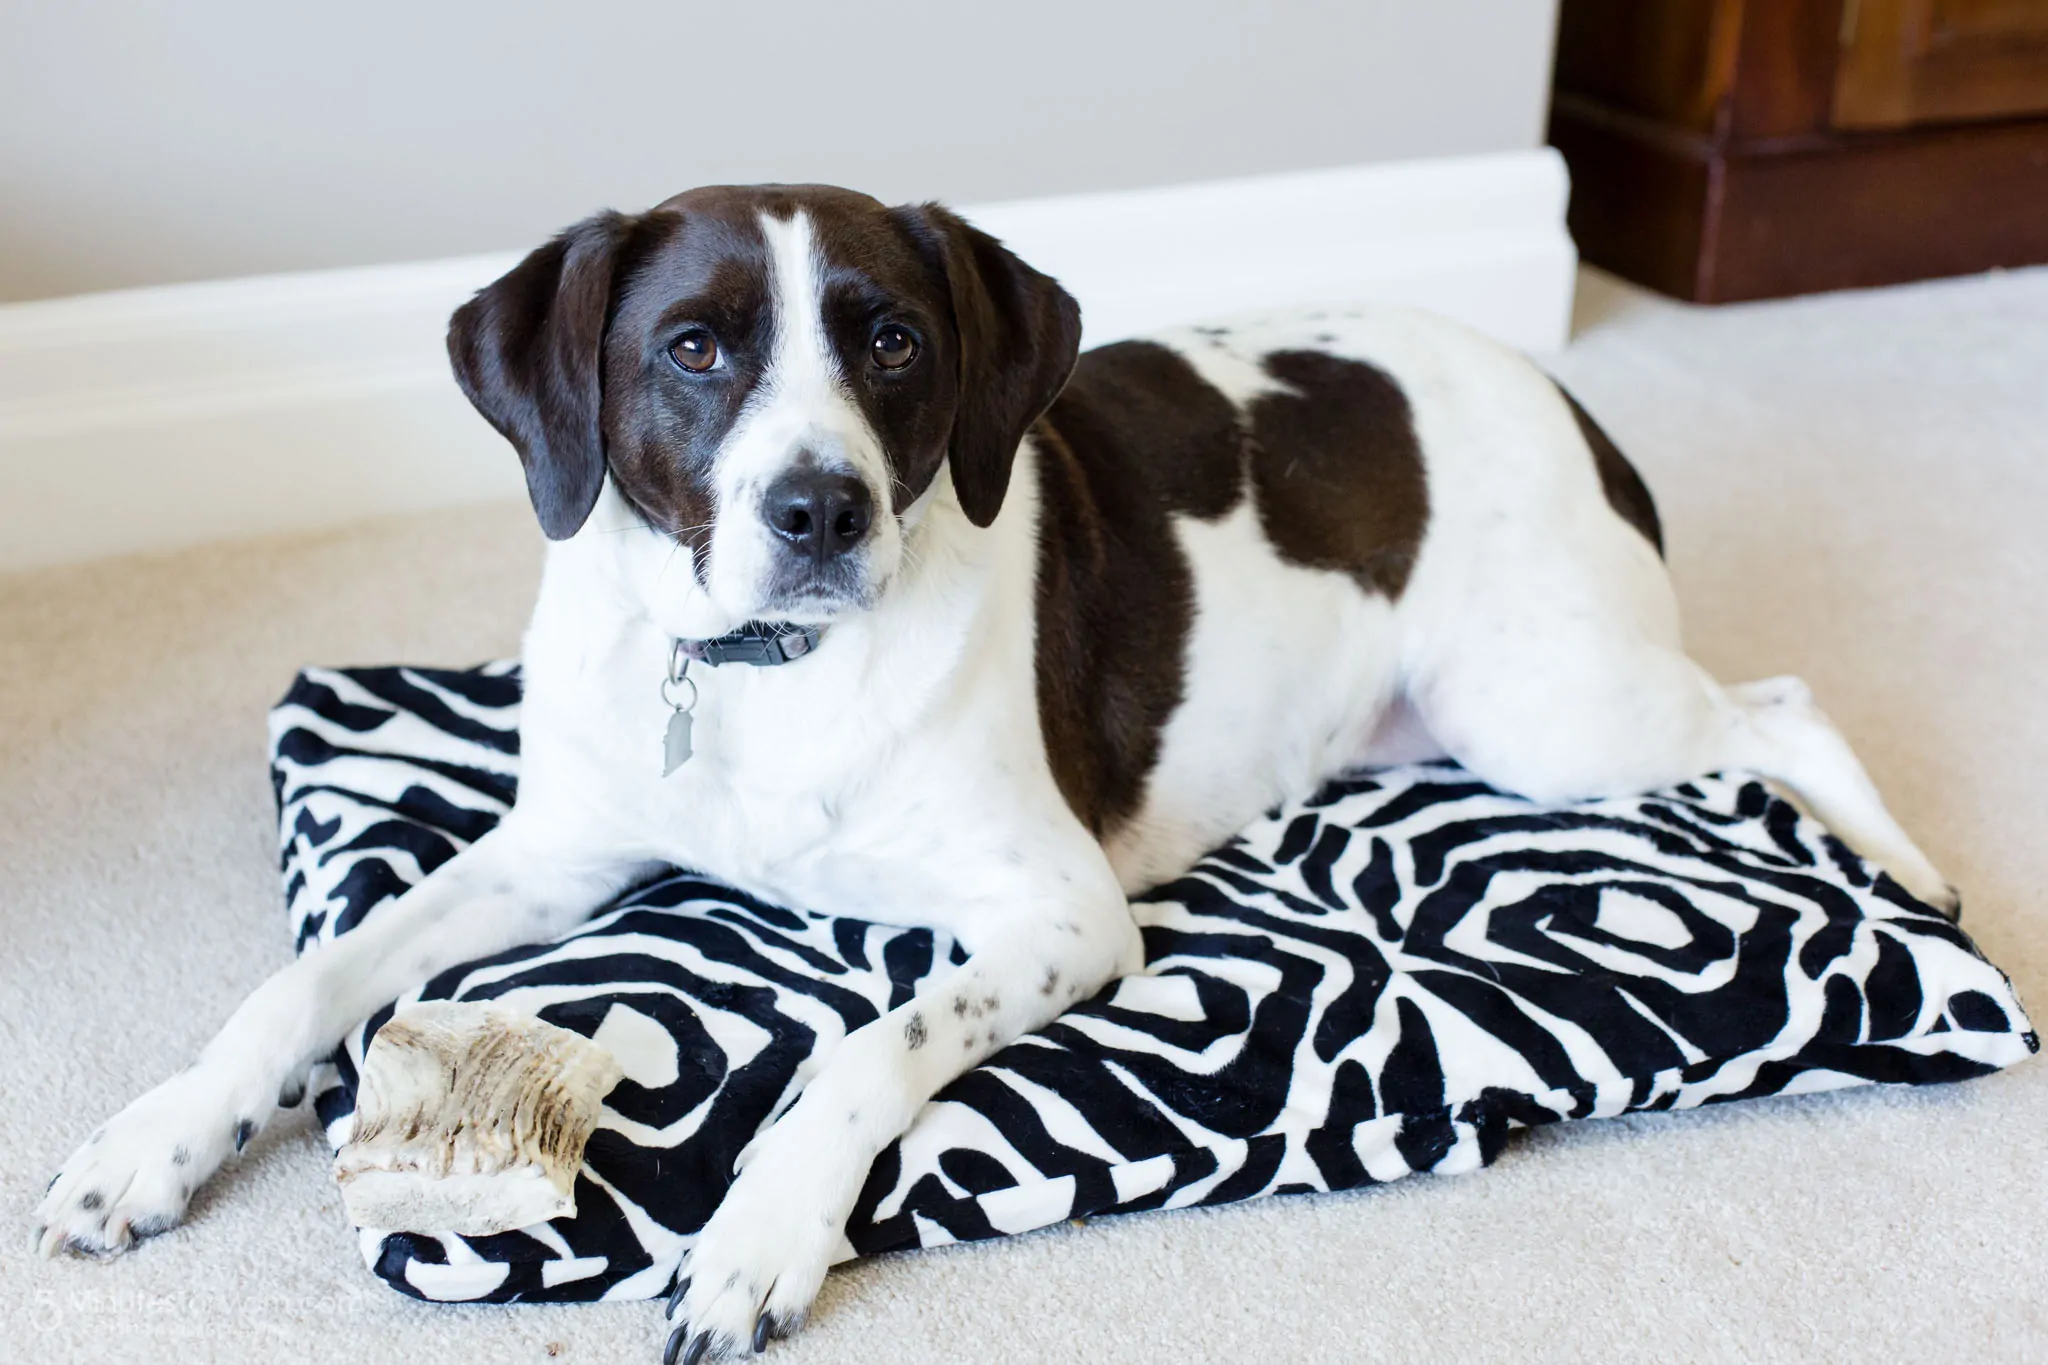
point(803, 366)
point(803, 396)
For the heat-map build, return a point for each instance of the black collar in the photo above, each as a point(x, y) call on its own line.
point(761, 643)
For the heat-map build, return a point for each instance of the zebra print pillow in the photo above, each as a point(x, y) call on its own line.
point(1386, 979)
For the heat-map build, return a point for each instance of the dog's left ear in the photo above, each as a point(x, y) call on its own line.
point(526, 351)
point(1019, 335)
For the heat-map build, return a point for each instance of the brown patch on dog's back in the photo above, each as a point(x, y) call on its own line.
point(1136, 437)
point(1139, 437)
point(1337, 471)
point(1626, 492)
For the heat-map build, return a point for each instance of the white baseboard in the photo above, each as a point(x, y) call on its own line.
point(156, 418)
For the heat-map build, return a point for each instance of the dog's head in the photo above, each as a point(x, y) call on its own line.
point(772, 376)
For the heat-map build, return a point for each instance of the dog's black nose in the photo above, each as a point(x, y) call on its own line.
point(818, 514)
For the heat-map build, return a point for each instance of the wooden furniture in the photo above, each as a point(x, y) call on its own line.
point(1743, 149)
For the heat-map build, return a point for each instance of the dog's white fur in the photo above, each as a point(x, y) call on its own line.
point(898, 774)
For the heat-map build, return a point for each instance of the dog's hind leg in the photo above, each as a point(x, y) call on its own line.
point(133, 1178)
point(1779, 732)
point(1609, 715)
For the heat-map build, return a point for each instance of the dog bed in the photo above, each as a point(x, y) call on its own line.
point(1388, 978)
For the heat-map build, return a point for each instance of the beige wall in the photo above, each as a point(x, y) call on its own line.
point(144, 142)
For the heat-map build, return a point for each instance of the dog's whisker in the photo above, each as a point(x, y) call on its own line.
point(666, 560)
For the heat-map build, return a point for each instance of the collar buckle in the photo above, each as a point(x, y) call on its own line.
point(759, 643)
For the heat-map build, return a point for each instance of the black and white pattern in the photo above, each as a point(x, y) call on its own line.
point(1385, 979)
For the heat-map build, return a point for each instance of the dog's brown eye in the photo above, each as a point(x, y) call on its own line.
point(695, 350)
point(894, 347)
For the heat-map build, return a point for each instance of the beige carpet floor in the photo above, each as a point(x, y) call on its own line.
point(1855, 489)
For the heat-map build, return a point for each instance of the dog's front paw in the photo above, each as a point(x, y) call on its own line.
point(758, 1263)
point(133, 1178)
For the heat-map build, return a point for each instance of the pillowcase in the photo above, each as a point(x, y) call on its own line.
point(1388, 978)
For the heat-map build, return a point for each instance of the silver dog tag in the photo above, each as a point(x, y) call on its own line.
point(675, 745)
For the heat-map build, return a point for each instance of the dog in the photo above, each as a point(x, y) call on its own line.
point(868, 593)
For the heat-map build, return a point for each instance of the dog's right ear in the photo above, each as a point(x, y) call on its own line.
point(528, 352)
point(1019, 335)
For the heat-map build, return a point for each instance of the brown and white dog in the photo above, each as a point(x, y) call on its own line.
point(1061, 626)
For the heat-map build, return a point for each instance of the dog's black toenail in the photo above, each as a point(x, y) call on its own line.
point(180, 1156)
point(244, 1130)
point(93, 1199)
point(675, 1344)
point(699, 1344)
point(761, 1334)
point(675, 1298)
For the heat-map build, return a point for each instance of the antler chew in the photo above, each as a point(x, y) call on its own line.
point(470, 1119)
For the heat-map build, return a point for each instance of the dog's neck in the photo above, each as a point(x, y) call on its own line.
point(924, 623)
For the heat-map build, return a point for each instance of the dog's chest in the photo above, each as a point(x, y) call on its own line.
point(789, 792)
